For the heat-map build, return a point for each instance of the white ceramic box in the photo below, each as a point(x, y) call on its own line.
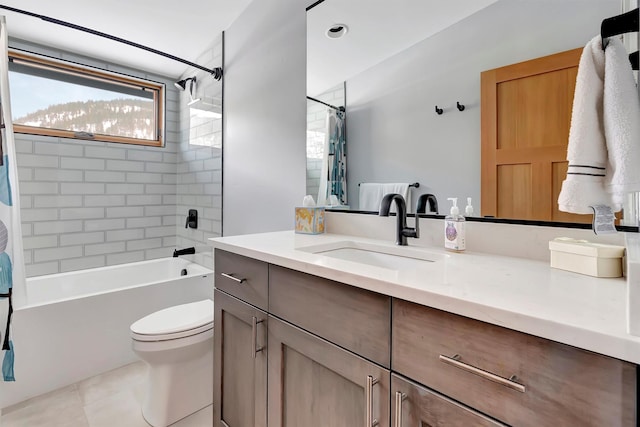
point(581, 256)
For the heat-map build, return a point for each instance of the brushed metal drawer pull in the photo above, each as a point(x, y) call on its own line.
point(368, 397)
point(507, 382)
point(254, 330)
point(235, 279)
point(400, 397)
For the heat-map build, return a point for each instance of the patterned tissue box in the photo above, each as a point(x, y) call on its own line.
point(310, 220)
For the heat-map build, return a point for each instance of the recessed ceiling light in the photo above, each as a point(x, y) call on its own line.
point(336, 31)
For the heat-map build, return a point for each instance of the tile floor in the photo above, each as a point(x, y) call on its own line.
point(111, 399)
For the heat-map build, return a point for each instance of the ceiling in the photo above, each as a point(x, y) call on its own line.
point(187, 28)
point(184, 29)
point(376, 32)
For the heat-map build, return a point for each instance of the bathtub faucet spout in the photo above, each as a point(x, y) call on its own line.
point(186, 251)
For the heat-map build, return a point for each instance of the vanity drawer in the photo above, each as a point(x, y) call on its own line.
point(355, 319)
point(244, 278)
point(472, 362)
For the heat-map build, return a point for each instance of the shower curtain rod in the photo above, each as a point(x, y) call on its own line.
point(216, 72)
point(328, 105)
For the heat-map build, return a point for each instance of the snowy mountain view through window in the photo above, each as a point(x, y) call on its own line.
point(59, 102)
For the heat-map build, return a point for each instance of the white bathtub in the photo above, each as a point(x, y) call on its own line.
point(76, 325)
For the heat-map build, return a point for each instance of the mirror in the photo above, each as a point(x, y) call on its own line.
point(394, 64)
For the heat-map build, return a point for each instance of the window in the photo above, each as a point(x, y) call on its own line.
point(56, 98)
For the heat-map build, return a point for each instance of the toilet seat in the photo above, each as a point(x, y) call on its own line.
point(175, 322)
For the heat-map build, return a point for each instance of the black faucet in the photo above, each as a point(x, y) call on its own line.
point(402, 231)
point(185, 251)
point(421, 206)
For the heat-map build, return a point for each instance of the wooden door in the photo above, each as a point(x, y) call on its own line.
point(415, 405)
point(240, 364)
point(525, 119)
point(313, 383)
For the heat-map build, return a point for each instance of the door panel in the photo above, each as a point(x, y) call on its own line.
point(525, 118)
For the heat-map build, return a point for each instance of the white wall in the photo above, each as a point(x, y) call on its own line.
point(394, 135)
point(265, 110)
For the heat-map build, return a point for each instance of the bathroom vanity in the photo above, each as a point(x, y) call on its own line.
point(303, 338)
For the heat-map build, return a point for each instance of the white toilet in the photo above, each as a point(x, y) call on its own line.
point(177, 344)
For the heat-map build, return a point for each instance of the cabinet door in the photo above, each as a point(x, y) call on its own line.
point(313, 383)
point(414, 405)
point(240, 364)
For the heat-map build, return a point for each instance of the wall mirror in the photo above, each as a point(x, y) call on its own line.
point(390, 65)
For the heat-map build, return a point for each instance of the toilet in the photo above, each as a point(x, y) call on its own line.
point(177, 344)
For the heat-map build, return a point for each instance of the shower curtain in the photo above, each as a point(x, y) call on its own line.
point(12, 279)
point(333, 178)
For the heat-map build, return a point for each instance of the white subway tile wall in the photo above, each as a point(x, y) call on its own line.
point(199, 162)
point(90, 204)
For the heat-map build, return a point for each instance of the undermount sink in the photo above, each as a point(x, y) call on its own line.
point(390, 257)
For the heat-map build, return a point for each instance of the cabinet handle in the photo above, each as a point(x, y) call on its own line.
point(400, 397)
point(235, 279)
point(368, 396)
point(507, 382)
point(254, 330)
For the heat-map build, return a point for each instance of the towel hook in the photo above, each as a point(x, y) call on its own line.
point(439, 110)
point(460, 106)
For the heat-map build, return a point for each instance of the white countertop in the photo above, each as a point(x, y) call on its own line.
point(524, 295)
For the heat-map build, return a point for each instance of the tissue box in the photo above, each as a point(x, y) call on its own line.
point(580, 256)
point(310, 220)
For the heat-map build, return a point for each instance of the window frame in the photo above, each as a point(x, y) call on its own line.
point(62, 66)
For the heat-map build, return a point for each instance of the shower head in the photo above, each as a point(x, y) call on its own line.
point(182, 84)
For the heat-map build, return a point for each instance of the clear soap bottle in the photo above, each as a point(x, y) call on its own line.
point(454, 228)
point(468, 210)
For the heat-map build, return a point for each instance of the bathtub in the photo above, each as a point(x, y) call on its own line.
point(76, 325)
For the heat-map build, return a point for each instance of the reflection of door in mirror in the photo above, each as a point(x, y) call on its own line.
point(526, 114)
point(318, 109)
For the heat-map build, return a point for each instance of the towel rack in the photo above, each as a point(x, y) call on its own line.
point(414, 185)
point(627, 22)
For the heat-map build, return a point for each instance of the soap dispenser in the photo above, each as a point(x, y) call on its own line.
point(468, 210)
point(454, 223)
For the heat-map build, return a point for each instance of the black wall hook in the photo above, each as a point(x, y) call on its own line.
point(460, 106)
point(439, 110)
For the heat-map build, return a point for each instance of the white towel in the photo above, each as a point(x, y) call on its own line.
point(371, 195)
point(603, 138)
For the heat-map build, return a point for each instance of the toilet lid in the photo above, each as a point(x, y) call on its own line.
point(176, 319)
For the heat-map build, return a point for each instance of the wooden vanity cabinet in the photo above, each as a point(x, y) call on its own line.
point(337, 355)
